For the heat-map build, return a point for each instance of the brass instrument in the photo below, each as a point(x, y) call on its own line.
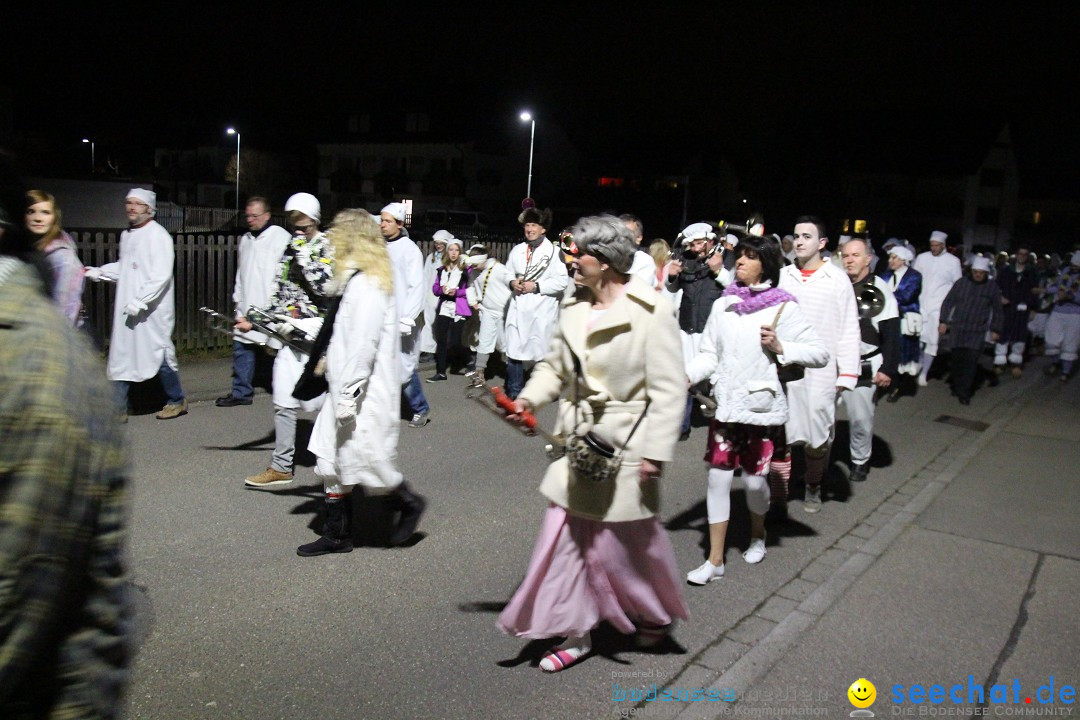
point(499, 403)
point(870, 301)
point(265, 323)
point(218, 322)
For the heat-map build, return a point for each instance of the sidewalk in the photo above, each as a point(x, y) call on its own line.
point(968, 574)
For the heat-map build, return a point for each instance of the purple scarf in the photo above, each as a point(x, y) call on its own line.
point(754, 300)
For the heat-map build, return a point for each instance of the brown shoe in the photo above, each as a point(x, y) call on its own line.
point(172, 410)
point(269, 478)
point(1017, 371)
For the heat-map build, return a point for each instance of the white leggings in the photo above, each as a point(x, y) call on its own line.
point(718, 497)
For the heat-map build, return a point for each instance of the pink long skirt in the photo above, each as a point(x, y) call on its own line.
point(584, 571)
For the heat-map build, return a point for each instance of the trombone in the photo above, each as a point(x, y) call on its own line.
point(218, 322)
point(290, 335)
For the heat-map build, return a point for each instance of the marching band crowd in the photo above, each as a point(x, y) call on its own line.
point(768, 335)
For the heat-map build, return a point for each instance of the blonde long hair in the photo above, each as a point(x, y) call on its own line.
point(358, 245)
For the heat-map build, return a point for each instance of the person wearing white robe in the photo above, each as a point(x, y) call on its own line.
point(940, 270)
point(489, 293)
point(410, 291)
point(643, 267)
point(141, 345)
point(824, 293)
point(538, 281)
point(355, 436)
point(258, 261)
point(432, 263)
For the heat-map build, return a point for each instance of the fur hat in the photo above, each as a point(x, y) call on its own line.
point(536, 215)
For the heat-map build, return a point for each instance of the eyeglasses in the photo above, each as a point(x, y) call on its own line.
point(302, 228)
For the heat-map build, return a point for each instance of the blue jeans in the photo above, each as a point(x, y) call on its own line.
point(414, 394)
point(243, 358)
point(515, 377)
point(170, 383)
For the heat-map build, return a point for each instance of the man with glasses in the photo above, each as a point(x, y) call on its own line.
point(299, 298)
point(258, 260)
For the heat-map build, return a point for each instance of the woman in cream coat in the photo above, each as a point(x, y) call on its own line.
point(752, 327)
point(602, 554)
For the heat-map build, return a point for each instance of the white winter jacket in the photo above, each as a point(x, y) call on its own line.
point(743, 375)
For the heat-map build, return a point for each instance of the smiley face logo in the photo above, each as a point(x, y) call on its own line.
point(862, 693)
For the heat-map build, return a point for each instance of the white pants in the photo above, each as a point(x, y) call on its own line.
point(1015, 352)
point(859, 404)
point(491, 336)
point(1063, 335)
point(288, 367)
point(718, 496)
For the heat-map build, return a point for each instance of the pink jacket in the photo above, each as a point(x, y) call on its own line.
point(461, 303)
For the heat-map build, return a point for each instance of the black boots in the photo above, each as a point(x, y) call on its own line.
point(411, 506)
point(335, 537)
point(860, 471)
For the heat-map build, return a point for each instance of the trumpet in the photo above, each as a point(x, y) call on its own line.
point(499, 403)
point(271, 326)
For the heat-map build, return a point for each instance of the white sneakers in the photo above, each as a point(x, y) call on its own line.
point(708, 572)
point(756, 552)
point(705, 574)
point(812, 500)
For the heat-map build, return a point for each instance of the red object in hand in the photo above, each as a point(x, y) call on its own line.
point(504, 402)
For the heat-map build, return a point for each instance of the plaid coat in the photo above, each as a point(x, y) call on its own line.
point(64, 620)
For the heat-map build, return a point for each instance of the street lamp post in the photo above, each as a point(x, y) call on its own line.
point(526, 117)
point(234, 131)
point(88, 140)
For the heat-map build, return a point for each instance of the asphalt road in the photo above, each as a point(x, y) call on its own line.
point(233, 624)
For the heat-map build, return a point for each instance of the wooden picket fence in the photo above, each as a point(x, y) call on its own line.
point(205, 271)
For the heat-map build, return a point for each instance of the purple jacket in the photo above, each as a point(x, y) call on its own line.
point(461, 303)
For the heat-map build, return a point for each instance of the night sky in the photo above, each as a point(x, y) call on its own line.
point(737, 76)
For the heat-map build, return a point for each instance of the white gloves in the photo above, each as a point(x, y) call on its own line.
point(92, 273)
point(135, 307)
point(347, 404)
point(308, 326)
point(405, 326)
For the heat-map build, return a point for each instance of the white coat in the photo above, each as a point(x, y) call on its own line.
point(828, 303)
point(744, 378)
point(258, 264)
point(288, 367)
point(531, 318)
point(432, 263)
point(410, 291)
point(939, 274)
point(141, 343)
point(643, 268)
point(364, 350)
point(490, 293)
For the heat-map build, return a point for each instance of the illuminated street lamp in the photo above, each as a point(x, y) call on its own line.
point(526, 117)
point(234, 131)
point(88, 140)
